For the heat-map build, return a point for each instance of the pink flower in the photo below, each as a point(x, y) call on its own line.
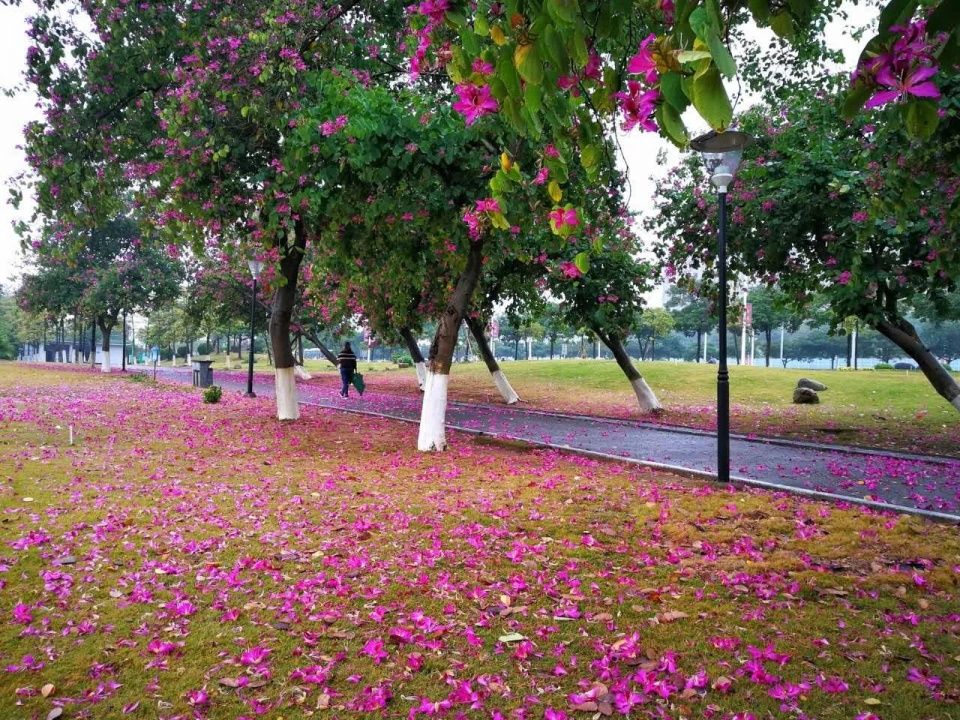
point(22, 614)
point(638, 107)
point(254, 656)
point(563, 218)
point(542, 176)
point(844, 277)
point(568, 269)
point(374, 649)
point(916, 82)
point(860, 216)
point(198, 698)
point(488, 205)
point(643, 63)
point(474, 102)
point(482, 67)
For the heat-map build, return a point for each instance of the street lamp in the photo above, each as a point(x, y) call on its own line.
point(721, 154)
point(255, 267)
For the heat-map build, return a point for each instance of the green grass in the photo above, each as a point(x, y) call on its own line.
point(153, 470)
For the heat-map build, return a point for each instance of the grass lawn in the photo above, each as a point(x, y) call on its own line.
point(191, 560)
point(876, 408)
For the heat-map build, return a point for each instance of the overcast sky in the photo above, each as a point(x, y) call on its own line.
point(640, 149)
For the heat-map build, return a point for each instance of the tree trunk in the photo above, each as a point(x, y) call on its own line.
point(414, 349)
point(645, 397)
point(288, 407)
point(106, 326)
point(433, 414)
point(324, 350)
point(552, 341)
point(483, 348)
point(653, 349)
point(769, 333)
point(699, 344)
point(516, 349)
point(902, 334)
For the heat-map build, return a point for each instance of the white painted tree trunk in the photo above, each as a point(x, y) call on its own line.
point(285, 382)
point(105, 361)
point(301, 373)
point(421, 368)
point(645, 397)
point(433, 414)
point(189, 360)
point(228, 361)
point(506, 390)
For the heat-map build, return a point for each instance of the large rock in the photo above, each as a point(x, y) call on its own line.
point(810, 384)
point(805, 396)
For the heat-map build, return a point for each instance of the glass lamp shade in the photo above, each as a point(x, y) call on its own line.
point(256, 266)
point(721, 151)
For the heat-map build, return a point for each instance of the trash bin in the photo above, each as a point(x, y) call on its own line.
point(202, 373)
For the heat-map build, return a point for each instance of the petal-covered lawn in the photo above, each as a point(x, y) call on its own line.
point(191, 560)
point(884, 409)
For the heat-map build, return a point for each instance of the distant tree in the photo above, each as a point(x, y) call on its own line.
point(8, 328)
point(770, 311)
point(650, 325)
point(692, 315)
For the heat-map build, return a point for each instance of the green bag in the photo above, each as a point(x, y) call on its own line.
point(358, 383)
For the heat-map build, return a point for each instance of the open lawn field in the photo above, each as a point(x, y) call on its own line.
point(190, 560)
point(876, 408)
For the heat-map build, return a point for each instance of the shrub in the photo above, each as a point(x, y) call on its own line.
point(883, 366)
point(203, 349)
point(401, 358)
point(212, 394)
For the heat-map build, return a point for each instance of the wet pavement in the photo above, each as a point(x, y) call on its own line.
point(913, 483)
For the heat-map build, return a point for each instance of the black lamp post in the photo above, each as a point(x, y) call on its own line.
point(255, 267)
point(721, 154)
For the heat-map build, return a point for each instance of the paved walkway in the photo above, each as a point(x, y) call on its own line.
point(912, 483)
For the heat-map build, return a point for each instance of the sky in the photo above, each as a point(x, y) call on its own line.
point(640, 150)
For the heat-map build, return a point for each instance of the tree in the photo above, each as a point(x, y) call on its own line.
point(651, 324)
point(769, 312)
point(856, 212)
point(692, 315)
point(8, 327)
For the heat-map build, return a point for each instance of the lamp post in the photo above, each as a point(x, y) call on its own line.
point(255, 267)
point(721, 154)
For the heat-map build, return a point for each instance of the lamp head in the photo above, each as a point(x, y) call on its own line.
point(256, 266)
point(721, 154)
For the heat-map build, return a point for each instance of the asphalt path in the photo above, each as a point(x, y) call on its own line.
point(925, 485)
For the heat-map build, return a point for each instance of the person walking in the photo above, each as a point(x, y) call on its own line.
point(347, 362)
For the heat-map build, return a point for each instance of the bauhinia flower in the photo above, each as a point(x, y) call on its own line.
point(643, 63)
point(475, 101)
point(563, 220)
point(638, 106)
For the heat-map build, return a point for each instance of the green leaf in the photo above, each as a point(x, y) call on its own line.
point(582, 261)
point(760, 9)
point(894, 13)
point(782, 24)
point(672, 91)
point(920, 118)
point(946, 18)
point(670, 122)
point(528, 64)
point(856, 97)
point(553, 46)
point(508, 73)
point(721, 55)
point(590, 159)
point(564, 11)
point(244, 111)
point(580, 53)
point(456, 19)
point(700, 22)
point(554, 191)
point(480, 25)
point(710, 99)
point(689, 56)
point(532, 98)
point(468, 38)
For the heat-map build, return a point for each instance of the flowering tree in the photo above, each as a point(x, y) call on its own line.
point(857, 212)
point(567, 70)
point(102, 273)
